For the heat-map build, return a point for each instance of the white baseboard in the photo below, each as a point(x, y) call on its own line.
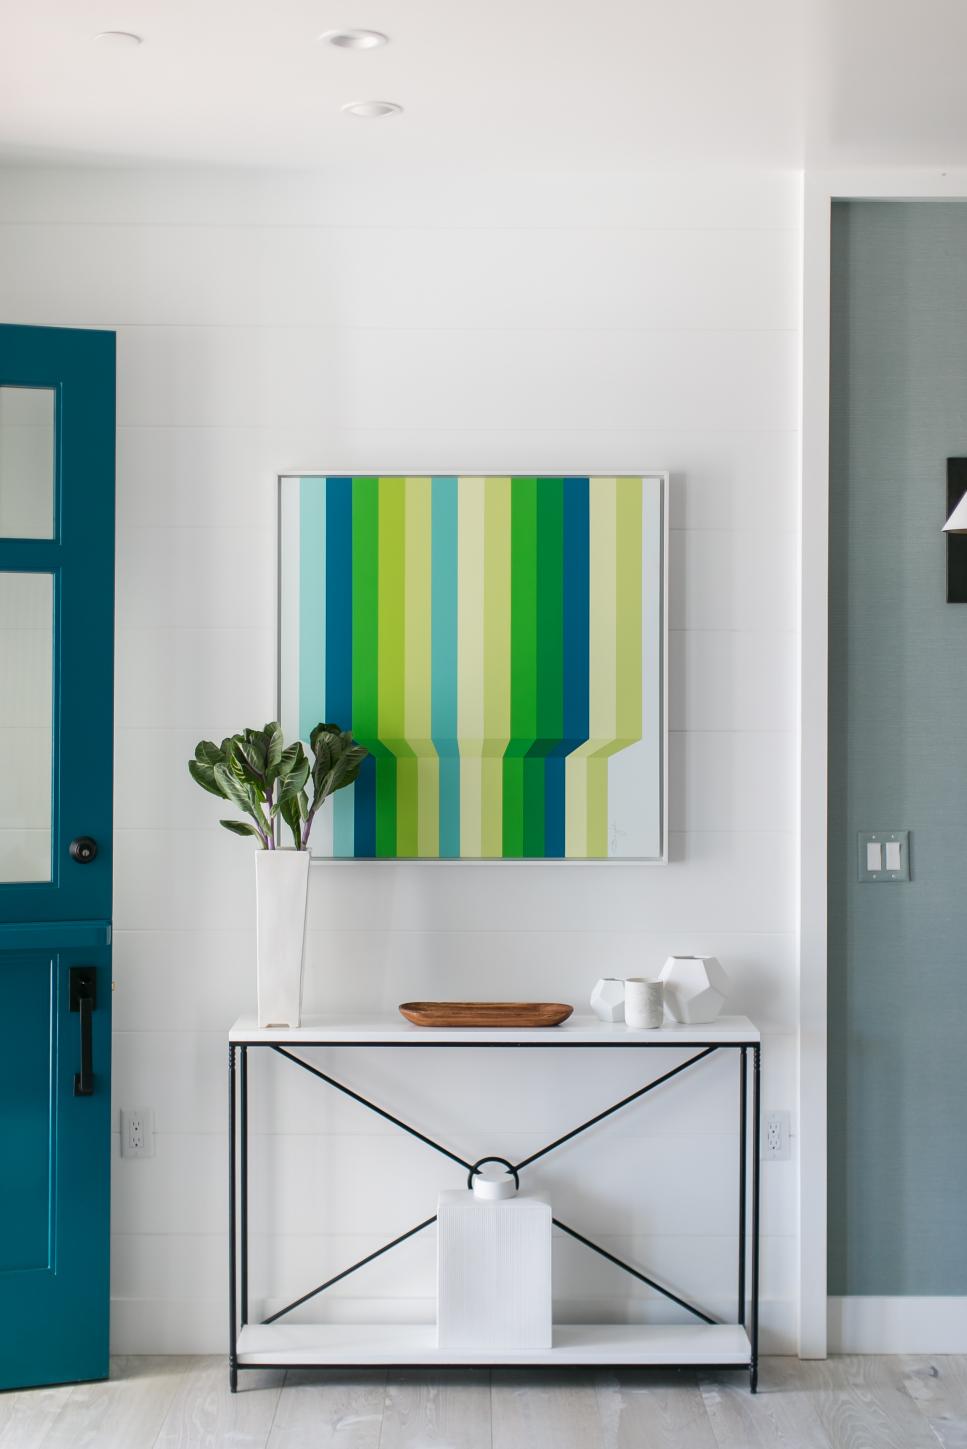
point(157, 1325)
point(897, 1325)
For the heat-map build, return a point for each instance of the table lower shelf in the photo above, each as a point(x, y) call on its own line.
point(351, 1344)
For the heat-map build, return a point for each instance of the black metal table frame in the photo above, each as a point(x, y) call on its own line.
point(748, 1253)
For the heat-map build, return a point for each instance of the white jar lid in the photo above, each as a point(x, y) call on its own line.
point(494, 1189)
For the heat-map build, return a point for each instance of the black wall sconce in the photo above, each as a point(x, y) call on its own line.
point(955, 530)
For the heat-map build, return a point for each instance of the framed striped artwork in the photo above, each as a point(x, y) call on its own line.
point(498, 644)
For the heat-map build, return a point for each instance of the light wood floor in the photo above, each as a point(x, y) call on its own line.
point(184, 1403)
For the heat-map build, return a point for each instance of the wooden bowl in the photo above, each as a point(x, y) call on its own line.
point(486, 1013)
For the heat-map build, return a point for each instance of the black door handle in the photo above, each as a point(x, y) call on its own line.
point(83, 849)
point(82, 983)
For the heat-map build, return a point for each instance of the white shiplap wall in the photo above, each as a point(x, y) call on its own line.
point(486, 323)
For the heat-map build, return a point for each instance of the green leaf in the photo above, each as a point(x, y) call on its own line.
point(293, 780)
point(290, 757)
point(239, 792)
point(204, 775)
point(293, 813)
point(208, 753)
point(274, 745)
point(323, 729)
point(240, 827)
point(293, 771)
point(201, 768)
point(336, 760)
point(345, 770)
point(322, 761)
point(250, 755)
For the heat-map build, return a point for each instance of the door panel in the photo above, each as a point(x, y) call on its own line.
point(56, 729)
point(54, 1249)
point(25, 1076)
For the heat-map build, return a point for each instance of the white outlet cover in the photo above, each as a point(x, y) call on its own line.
point(131, 1119)
point(775, 1136)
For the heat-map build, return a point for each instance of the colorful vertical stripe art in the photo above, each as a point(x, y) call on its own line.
point(495, 643)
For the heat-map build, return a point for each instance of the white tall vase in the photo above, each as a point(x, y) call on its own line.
point(281, 895)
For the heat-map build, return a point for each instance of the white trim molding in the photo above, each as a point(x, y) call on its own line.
point(897, 1325)
point(857, 1323)
point(813, 693)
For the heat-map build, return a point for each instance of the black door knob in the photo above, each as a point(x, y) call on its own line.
point(83, 849)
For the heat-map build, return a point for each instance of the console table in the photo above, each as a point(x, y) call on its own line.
point(706, 1342)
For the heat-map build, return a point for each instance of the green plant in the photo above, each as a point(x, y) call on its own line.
point(269, 780)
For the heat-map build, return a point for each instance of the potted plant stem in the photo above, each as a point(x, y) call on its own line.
point(278, 787)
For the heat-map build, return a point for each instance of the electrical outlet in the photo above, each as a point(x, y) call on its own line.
point(137, 1132)
point(775, 1136)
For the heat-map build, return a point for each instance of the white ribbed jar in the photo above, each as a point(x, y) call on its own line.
point(493, 1273)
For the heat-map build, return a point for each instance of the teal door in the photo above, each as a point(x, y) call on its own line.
point(56, 728)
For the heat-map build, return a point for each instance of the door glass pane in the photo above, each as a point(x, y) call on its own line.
point(26, 675)
point(27, 462)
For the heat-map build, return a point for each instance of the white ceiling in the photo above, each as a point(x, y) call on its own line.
point(610, 84)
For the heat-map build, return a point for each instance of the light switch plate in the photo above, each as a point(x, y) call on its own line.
point(883, 838)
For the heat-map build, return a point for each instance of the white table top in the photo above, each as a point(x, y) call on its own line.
point(579, 1030)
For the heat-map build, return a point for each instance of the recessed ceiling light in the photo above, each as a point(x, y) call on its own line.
point(355, 39)
point(371, 110)
point(119, 38)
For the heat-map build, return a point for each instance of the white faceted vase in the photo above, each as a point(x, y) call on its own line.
point(696, 988)
point(608, 999)
point(281, 895)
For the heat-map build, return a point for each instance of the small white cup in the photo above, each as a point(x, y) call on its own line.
point(644, 1003)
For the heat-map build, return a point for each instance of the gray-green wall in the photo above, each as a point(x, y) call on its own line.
point(898, 753)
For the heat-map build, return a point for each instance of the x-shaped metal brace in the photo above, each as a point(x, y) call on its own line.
point(515, 1168)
